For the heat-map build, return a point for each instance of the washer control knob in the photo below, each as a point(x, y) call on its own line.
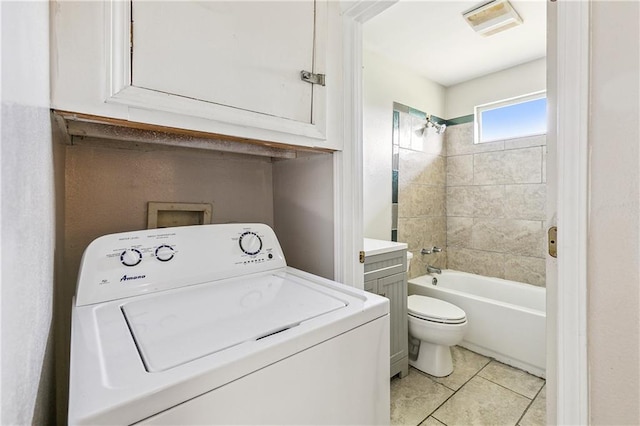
point(250, 243)
point(130, 257)
point(165, 253)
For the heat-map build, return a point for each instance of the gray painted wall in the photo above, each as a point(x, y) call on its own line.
point(303, 212)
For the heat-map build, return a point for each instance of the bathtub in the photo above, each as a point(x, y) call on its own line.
point(506, 318)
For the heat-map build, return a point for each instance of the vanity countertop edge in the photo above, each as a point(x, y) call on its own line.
point(373, 247)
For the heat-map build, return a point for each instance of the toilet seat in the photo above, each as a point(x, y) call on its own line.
point(435, 310)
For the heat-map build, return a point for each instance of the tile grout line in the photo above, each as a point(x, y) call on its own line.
point(454, 391)
point(531, 403)
point(509, 389)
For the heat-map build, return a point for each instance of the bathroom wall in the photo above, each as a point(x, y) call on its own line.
point(520, 80)
point(28, 225)
point(386, 82)
point(421, 178)
point(495, 202)
point(613, 274)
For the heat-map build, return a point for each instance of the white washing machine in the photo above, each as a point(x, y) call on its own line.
point(208, 325)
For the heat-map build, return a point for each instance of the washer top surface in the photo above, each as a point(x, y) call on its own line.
point(174, 329)
point(162, 316)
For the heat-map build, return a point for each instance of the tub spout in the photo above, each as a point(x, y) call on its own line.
point(433, 270)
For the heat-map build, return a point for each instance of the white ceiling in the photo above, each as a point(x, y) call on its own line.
point(432, 38)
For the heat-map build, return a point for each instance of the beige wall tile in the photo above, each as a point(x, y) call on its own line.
point(460, 170)
point(523, 237)
point(435, 232)
point(488, 234)
point(410, 201)
point(459, 231)
point(530, 270)
point(411, 231)
point(488, 201)
point(527, 201)
point(434, 200)
point(490, 264)
point(523, 165)
point(493, 198)
point(459, 140)
point(460, 201)
point(489, 168)
point(508, 167)
point(420, 167)
point(539, 140)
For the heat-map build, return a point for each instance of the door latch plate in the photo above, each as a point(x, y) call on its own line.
point(312, 78)
point(553, 241)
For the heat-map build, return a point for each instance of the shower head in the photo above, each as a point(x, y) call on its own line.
point(440, 128)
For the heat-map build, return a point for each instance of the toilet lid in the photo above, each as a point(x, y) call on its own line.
point(436, 310)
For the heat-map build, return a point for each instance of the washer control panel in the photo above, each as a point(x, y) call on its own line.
point(127, 264)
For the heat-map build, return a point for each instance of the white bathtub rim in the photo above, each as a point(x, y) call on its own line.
point(423, 282)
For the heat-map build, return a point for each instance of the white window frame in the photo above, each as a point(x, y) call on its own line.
point(479, 109)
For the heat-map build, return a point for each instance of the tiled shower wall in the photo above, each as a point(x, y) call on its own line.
point(495, 203)
point(483, 204)
point(421, 175)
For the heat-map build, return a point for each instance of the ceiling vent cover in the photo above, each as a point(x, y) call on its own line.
point(493, 17)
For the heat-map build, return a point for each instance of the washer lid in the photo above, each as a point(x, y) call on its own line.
point(434, 309)
point(174, 328)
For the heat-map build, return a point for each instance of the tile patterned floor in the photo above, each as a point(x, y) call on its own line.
point(480, 391)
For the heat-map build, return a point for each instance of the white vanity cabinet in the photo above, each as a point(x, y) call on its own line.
point(385, 267)
point(231, 68)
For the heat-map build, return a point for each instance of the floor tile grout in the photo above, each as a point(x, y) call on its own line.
point(531, 403)
point(474, 375)
point(509, 389)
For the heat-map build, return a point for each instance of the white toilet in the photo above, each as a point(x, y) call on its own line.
point(438, 325)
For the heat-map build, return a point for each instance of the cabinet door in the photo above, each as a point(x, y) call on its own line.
point(394, 288)
point(371, 286)
point(245, 55)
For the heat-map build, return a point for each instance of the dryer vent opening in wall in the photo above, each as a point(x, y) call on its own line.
point(165, 215)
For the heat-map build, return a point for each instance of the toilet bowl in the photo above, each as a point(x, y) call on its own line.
point(438, 325)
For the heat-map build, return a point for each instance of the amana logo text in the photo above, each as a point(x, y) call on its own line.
point(136, 277)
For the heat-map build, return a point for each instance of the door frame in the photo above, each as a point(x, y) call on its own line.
point(567, 373)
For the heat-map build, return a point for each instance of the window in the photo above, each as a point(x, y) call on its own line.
point(512, 118)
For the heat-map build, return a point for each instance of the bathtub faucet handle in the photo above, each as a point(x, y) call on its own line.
point(425, 251)
point(436, 249)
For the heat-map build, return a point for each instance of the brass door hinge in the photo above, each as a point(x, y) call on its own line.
point(361, 257)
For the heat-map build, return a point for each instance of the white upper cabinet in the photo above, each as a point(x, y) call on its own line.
point(247, 55)
point(224, 67)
